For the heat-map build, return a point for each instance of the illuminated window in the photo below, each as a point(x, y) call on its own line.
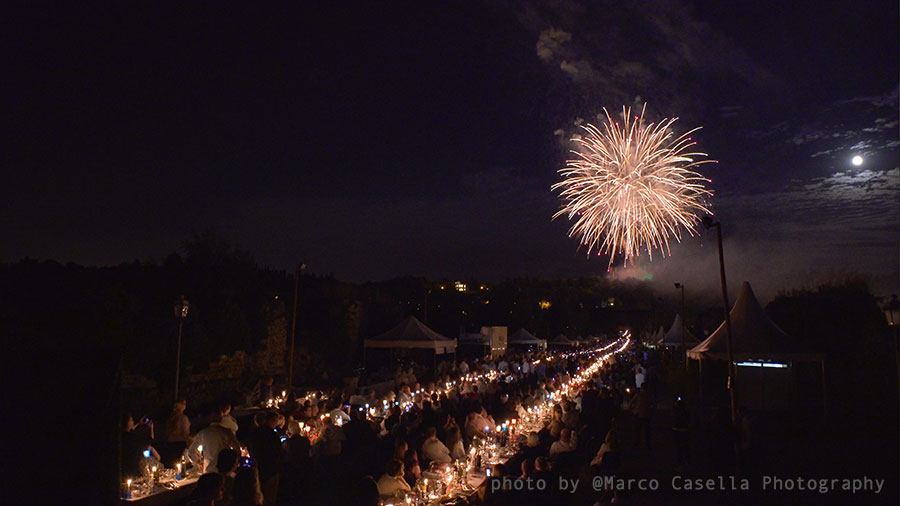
point(544, 304)
point(460, 286)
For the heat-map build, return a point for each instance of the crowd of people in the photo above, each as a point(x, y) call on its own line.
point(366, 445)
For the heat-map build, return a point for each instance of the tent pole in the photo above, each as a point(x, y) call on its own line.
point(824, 391)
point(700, 365)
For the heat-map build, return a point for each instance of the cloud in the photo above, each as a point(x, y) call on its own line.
point(811, 232)
point(645, 49)
point(550, 42)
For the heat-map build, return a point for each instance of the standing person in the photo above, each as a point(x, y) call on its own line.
point(209, 490)
point(640, 376)
point(247, 491)
point(266, 448)
point(228, 421)
point(681, 433)
point(213, 439)
point(641, 406)
point(178, 431)
point(228, 464)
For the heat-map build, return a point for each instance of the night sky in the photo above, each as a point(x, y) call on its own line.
point(372, 139)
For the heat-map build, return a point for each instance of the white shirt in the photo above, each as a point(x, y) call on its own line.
point(214, 439)
point(638, 379)
point(561, 447)
point(389, 485)
point(463, 367)
point(229, 422)
point(339, 414)
point(458, 452)
point(436, 451)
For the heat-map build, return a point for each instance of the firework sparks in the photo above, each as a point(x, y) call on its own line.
point(632, 187)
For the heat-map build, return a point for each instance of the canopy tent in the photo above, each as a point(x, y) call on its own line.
point(411, 333)
point(672, 338)
point(753, 336)
point(562, 340)
point(524, 338)
point(764, 352)
point(475, 339)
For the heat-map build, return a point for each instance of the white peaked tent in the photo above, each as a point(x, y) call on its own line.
point(562, 340)
point(411, 333)
point(753, 336)
point(672, 338)
point(524, 338)
point(764, 352)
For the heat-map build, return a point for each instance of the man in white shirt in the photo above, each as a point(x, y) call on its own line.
point(228, 421)
point(433, 449)
point(212, 440)
point(405, 395)
point(565, 444)
point(463, 368)
point(640, 375)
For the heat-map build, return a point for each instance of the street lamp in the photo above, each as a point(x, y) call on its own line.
point(709, 223)
point(683, 346)
point(426, 304)
point(181, 311)
point(300, 267)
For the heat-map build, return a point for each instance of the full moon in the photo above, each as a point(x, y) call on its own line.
point(857, 160)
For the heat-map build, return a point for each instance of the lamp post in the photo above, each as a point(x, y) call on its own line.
point(683, 347)
point(425, 316)
point(892, 314)
point(709, 223)
point(181, 312)
point(300, 267)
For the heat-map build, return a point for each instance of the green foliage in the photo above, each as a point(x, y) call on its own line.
point(843, 320)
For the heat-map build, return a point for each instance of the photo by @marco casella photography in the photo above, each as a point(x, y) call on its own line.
point(681, 483)
point(481, 253)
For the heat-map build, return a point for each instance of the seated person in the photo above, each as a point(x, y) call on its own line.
point(392, 482)
point(565, 444)
point(433, 449)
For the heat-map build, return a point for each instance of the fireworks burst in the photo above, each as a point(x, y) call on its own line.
point(632, 187)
